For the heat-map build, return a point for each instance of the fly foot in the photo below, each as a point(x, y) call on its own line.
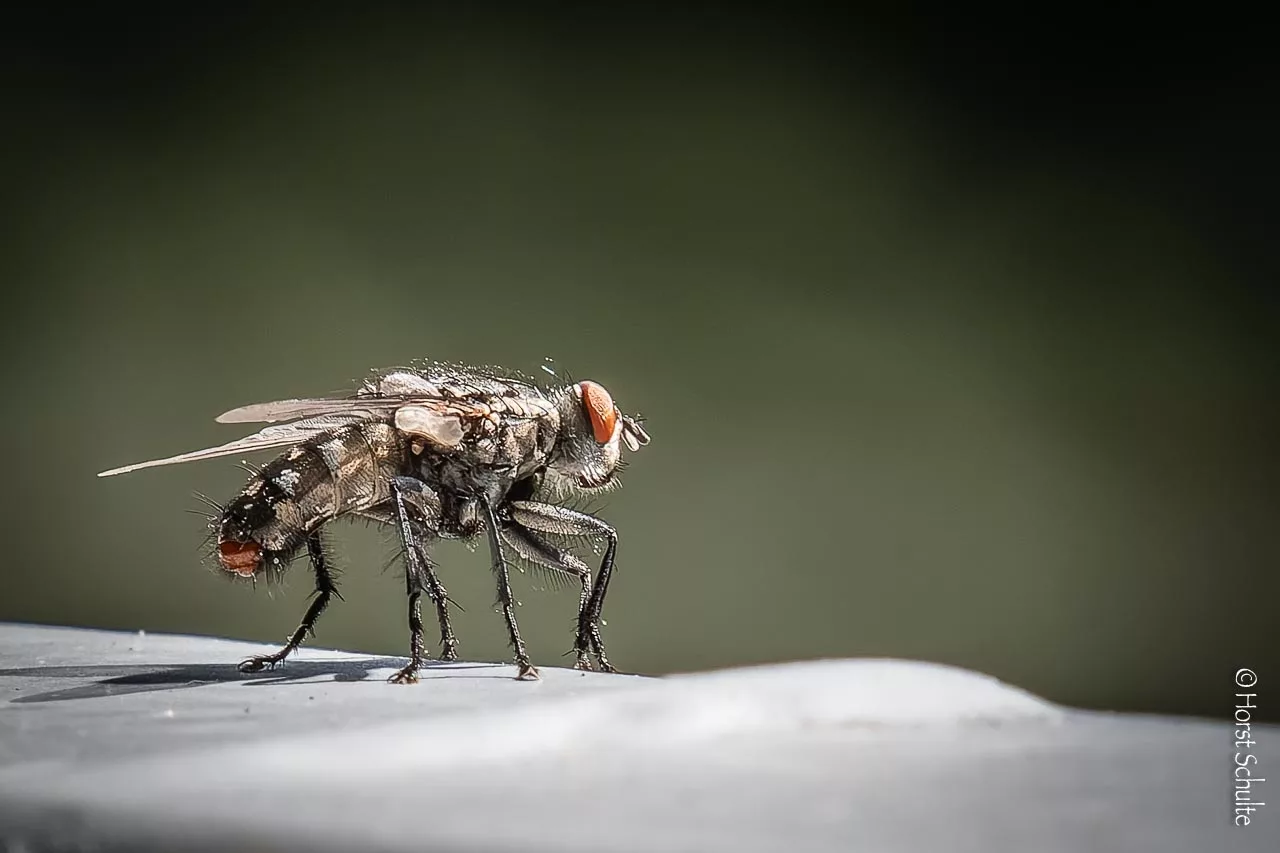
point(604, 665)
point(258, 663)
point(528, 672)
point(408, 675)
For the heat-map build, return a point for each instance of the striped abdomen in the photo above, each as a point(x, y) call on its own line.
point(334, 473)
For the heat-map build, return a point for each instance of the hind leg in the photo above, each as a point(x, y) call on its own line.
point(325, 590)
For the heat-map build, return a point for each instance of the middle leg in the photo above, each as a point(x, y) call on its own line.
point(506, 601)
point(422, 509)
point(416, 572)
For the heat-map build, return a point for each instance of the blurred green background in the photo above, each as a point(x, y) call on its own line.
point(949, 349)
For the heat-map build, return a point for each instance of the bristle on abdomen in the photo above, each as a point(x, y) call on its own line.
point(334, 473)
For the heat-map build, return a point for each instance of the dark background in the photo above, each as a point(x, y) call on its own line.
point(955, 343)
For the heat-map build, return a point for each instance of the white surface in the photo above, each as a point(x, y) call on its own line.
point(128, 742)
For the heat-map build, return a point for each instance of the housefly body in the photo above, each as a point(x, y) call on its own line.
point(435, 451)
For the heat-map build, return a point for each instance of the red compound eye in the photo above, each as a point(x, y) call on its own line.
point(239, 557)
point(600, 410)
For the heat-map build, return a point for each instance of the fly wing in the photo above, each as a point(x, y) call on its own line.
point(385, 391)
point(439, 406)
point(288, 410)
point(270, 437)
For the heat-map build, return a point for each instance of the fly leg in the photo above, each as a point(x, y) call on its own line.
point(419, 576)
point(409, 673)
point(423, 509)
point(527, 671)
point(440, 598)
point(325, 590)
point(548, 518)
point(534, 548)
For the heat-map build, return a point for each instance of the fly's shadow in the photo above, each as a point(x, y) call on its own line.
point(120, 680)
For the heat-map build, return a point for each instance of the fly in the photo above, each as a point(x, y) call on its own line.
point(436, 452)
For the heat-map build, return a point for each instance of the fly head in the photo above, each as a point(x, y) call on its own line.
point(593, 429)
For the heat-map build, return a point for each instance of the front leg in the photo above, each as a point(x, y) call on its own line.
point(527, 671)
point(549, 518)
point(534, 548)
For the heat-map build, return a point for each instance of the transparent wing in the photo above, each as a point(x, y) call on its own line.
point(270, 437)
point(439, 404)
point(382, 393)
point(288, 410)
